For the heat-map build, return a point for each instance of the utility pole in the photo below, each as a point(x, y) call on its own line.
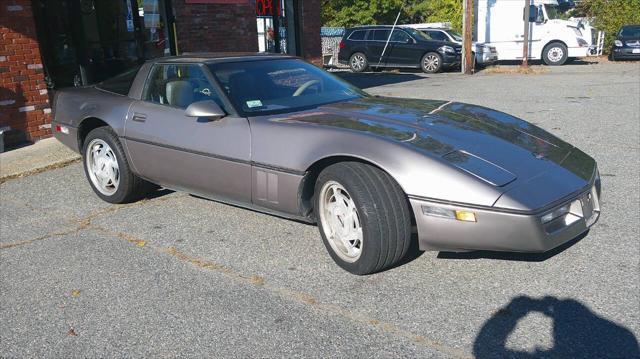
point(525, 44)
point(467, 38)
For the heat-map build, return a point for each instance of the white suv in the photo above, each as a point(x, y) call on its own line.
point(485, 54)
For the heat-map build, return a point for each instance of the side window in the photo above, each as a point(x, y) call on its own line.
point(380, 35)
point(400, 36)
point(437, 35)
point(179, 85)
point(357, 35)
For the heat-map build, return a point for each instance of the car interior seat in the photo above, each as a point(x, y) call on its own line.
point(179, 93)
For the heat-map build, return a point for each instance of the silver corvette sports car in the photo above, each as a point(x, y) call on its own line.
point(276, 134)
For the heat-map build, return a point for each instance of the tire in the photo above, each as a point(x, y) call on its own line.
point(121, 184)
point(431, 63)
point(358, 62)
point(555, 54)
point(367, 197)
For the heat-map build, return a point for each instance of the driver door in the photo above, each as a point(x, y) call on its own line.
point(197, 155)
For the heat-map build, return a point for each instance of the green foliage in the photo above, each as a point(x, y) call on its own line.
point(610, 15)
point(350, 13)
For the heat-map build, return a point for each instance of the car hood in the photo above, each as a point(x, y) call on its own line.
point(501, 149)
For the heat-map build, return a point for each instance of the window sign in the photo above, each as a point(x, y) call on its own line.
point(130, 27)
point(268, 8)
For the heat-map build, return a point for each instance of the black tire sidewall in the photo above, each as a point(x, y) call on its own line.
point(126, 176)
point(545, 54)
point(370, 248)
point(366, 62)
point(440, 66)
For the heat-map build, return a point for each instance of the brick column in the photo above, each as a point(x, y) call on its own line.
point(24, 102)
point(310, 25)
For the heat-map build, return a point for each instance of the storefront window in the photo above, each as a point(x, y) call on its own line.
point(87, 41)
point(155, 30)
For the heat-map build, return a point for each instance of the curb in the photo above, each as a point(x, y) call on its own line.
point(34, 171)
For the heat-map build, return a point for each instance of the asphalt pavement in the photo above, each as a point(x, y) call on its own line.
point(177, 275)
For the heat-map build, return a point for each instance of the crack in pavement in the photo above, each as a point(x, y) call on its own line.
point(86, 223)
point(83, 222)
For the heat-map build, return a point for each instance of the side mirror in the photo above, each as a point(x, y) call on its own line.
point(205, 109)
point(533, 13)
point(409, 40)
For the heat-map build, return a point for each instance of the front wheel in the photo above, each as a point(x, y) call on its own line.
point(431, 63)
point(107, 170)
point(555, 54)
point(363, 217)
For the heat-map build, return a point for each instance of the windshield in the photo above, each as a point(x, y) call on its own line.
point(279, 86)
point(457, 36)
point(630, 31)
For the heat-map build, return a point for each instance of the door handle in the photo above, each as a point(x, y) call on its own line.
point(139, 117)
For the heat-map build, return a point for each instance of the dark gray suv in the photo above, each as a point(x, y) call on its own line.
point(362, 48)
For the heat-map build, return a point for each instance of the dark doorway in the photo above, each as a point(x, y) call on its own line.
point(277, 22)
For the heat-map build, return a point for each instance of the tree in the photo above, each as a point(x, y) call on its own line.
point(348, 13)
point(610, 15)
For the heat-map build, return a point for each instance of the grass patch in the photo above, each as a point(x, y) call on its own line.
point(515, 69)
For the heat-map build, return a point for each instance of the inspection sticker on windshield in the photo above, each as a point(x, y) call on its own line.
point(254, 103)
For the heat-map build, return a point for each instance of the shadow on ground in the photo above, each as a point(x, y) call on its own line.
point(513, 256)
point(577, 332)
point(365, 80)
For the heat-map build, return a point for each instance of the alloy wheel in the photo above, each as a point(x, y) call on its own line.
point(431, 63)
point(340, 221)
point(102, 166)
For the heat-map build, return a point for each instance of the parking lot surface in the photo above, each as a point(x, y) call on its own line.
point(177, 275)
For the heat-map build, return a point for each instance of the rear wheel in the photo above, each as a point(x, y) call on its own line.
point(107, 170)
point(431, 63)
point(555, 54)
point(358, 62)
point(363, 217)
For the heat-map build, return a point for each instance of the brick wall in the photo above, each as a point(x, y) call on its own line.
point(216, 27)
point(24, 102)
point(236, 28)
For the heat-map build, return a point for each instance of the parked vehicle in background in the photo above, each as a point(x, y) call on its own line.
point(483, 53)
point(500, 23)
point(627, 44)
point(362, 48)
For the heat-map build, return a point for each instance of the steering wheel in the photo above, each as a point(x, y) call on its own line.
point(304, 87)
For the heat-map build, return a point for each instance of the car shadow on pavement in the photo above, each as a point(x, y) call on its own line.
point(513, 256)
point(577, 331)
point(157, 192)
point(372, 79)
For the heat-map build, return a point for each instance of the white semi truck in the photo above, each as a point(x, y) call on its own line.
point(500, 23)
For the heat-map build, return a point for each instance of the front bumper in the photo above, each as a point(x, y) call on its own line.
point(450, 60)
point(498, 230)
point(486, 58)
point(579, 52)
point(626, 53)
